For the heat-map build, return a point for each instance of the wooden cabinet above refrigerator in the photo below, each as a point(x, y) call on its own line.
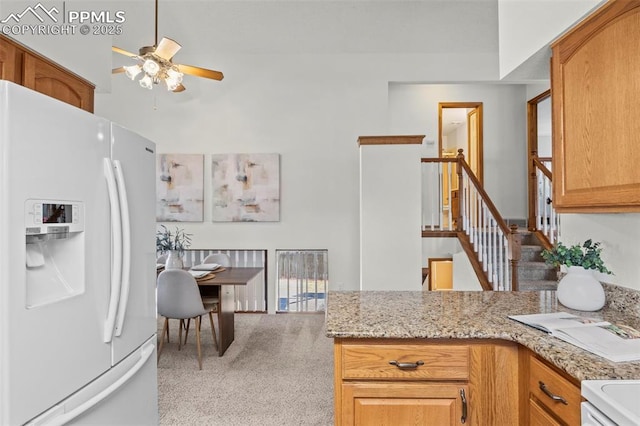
point(595, 87)
point(22, 65)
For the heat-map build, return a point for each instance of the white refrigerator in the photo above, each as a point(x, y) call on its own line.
point(77, 275)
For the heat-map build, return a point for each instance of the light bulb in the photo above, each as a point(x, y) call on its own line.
point(146, 82)
point(132, 71)
point(151, 67)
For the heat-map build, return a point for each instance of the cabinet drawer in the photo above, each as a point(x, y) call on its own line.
point(432, 362)
point(542, 377)
point(538, 416)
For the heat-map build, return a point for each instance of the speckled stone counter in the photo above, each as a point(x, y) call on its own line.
point(473, 315)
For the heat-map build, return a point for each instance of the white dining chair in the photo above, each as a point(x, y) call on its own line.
point(210, 301)
point(221, 259)
point(179, 298)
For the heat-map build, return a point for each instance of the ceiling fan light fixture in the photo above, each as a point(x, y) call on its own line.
point(146, 82)
point(157, 63)
point(174, 74)
point(132, 71)
point(151, 67)
point(172, 83)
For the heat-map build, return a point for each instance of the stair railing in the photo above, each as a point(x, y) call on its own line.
point(494, 245)
point(543, 218)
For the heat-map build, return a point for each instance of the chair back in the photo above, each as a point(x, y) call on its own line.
point(178, 295)
point(162, 259)
point(221, 259)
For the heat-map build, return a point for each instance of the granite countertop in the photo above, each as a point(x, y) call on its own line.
point(473, 315)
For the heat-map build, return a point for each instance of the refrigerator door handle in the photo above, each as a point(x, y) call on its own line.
point(116, 237)
point(59, 415)
point(126, 247)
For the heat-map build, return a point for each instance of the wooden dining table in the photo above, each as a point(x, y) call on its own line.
point(226, 281)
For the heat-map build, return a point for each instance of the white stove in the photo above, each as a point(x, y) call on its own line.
point(610, 403)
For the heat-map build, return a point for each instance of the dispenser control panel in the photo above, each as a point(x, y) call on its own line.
point(53, 216)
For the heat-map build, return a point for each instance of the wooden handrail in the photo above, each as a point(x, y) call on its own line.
point(538, 162)
point(439, 160)
point(484, 257)
point(483, 194)
point(545, 231)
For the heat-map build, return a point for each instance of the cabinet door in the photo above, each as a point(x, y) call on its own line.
point(595, 91)
point(381, 404)
point(46, 78)
point(9, 66)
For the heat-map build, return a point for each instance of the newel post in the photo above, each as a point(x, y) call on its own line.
point(515, 242)
point(532, 191)
point(462, 207)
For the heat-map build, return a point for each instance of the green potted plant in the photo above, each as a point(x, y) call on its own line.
point(579, 289)
point(172, 243)
point(586, 255)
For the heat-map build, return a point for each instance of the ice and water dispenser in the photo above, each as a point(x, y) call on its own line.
point(55, 250)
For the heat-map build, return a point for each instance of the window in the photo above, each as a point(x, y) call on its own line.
point(302, 280)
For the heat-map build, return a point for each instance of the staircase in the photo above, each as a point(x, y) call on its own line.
point(533, 273)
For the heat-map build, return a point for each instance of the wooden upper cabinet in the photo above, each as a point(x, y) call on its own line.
point(9, 60)
point(44, 77)
point(26, 67)
point(595, 88)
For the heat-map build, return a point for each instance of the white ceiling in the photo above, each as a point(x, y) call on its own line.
point(209, 29)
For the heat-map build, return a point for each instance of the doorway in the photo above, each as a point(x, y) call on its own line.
point(539, 125)
point(539, 144)
point(460, 127)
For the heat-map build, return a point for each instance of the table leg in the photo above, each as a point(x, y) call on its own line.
point(226, 312)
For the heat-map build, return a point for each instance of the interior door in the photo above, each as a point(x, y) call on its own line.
point(474, 146)
point(136, 157)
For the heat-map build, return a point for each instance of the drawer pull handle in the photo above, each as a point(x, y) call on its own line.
point(407, 365)
point(550, 394)
point(463, 397)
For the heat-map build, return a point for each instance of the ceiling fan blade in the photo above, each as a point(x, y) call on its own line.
point(117, 70)
point(167, 48)
point(122, 51)
point(179, 89)
point(200, 72)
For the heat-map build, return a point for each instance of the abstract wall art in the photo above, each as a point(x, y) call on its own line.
point(245, 187)
point(179, 187)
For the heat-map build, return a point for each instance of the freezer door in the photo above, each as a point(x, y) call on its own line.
point(124, 395)
point(51, 348)
point(134, 164)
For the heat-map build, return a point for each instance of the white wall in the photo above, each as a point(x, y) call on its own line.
point(620, 238)
point(308, 108)
point(305, 79)
point(302, 79)
point(413, 109)
point(527, 26)
point(390, 212)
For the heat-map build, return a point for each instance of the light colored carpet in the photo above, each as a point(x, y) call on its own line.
point(278, 371)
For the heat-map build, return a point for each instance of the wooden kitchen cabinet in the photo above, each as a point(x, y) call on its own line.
point(421, 382)
point(552, 398)
point(404, 404)
point(28, 68)
point(9, 69)
point(595, 110)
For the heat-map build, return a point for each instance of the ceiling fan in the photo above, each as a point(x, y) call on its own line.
point(155, 65)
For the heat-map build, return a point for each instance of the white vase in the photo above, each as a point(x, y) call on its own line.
point(580, 290)
point(174, 260)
